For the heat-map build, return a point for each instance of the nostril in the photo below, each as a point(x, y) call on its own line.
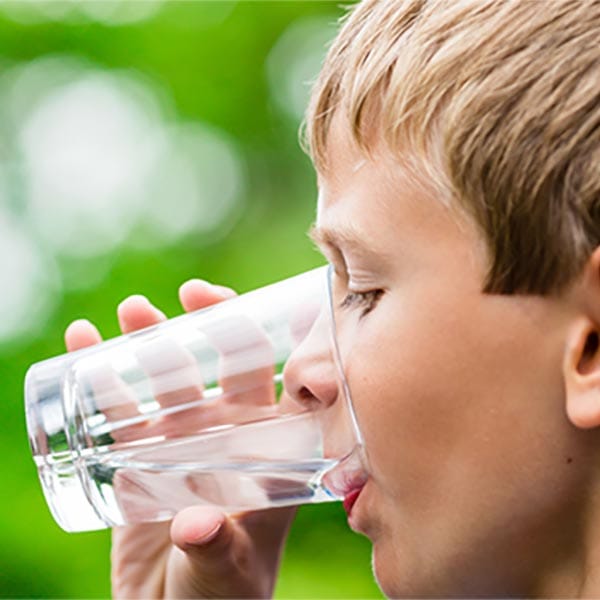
point(305, 394)
point(307, 398)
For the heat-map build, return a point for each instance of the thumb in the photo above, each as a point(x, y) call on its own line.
point(205, 534)
point(218, 558)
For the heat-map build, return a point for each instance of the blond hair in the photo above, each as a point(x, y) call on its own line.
point(499, 100)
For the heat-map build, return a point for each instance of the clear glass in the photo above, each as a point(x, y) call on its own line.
point(206, 408)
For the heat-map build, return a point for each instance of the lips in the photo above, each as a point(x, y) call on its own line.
point(351, 498)
point(347, 479)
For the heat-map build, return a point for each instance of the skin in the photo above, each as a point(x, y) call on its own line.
point(479, 412)
point(202, 553)
point(472, 406)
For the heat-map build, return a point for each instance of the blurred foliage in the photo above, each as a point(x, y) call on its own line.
point(210, 58)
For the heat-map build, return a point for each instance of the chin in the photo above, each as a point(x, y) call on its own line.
point(386, 571)
point(393, 574)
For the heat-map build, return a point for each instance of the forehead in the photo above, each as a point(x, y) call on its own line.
point(354, 207)
point(349, 169)
point(359, 189)
point(384, 202)
point(353, 172)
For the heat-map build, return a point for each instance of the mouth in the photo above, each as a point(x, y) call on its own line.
point(350, 499)
point(346, 480)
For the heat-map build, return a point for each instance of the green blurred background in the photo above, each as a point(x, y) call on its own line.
point(143, 144)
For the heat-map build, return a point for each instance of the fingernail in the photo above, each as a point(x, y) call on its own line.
point(227, 291)
point(81, 321)
point(139, 298)
point(160, 313)
point(224, 290)
point(77, 324)
point(207, 537)
point(196, 281)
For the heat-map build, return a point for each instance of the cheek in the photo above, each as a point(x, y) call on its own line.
point(452, 406)
point(461, 410)
point(404, 381)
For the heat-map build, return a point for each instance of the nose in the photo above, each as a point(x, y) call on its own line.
point(309, 376)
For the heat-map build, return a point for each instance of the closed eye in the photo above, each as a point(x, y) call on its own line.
point(364, 300)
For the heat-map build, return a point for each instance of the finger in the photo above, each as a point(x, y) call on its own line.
point(206, 535)
point(247, 365)
point(113, 397)
point(81, 334)
point(173, 370)
point(136, 312)
point(197, 293)
point(213, 556)
point(222, 556)
point(99, 380)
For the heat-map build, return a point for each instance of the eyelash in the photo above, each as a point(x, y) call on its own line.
point(368, 300)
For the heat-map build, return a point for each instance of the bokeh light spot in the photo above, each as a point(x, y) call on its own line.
point(294, 61)
point(85, 155)
point(196, 186)
point(30, 282)
point(93, 161)
point(107, 12)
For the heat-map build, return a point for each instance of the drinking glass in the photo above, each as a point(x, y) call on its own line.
point(240, 405)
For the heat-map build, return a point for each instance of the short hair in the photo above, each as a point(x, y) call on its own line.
point(498, 101)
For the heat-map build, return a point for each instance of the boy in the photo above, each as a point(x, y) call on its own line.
point(457, 144)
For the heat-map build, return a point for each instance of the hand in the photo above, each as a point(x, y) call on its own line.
point(202, 553)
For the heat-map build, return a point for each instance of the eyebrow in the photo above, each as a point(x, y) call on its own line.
point(341, 238)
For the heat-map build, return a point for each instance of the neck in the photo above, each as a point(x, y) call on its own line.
point(570, 565)
point(589, 544)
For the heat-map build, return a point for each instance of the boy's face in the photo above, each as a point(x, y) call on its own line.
point(458, 394)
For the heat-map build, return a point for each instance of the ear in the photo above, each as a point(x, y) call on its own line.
point(581, 371)
point(581, 365)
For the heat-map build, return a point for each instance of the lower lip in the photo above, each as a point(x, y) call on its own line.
point(350, 500)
